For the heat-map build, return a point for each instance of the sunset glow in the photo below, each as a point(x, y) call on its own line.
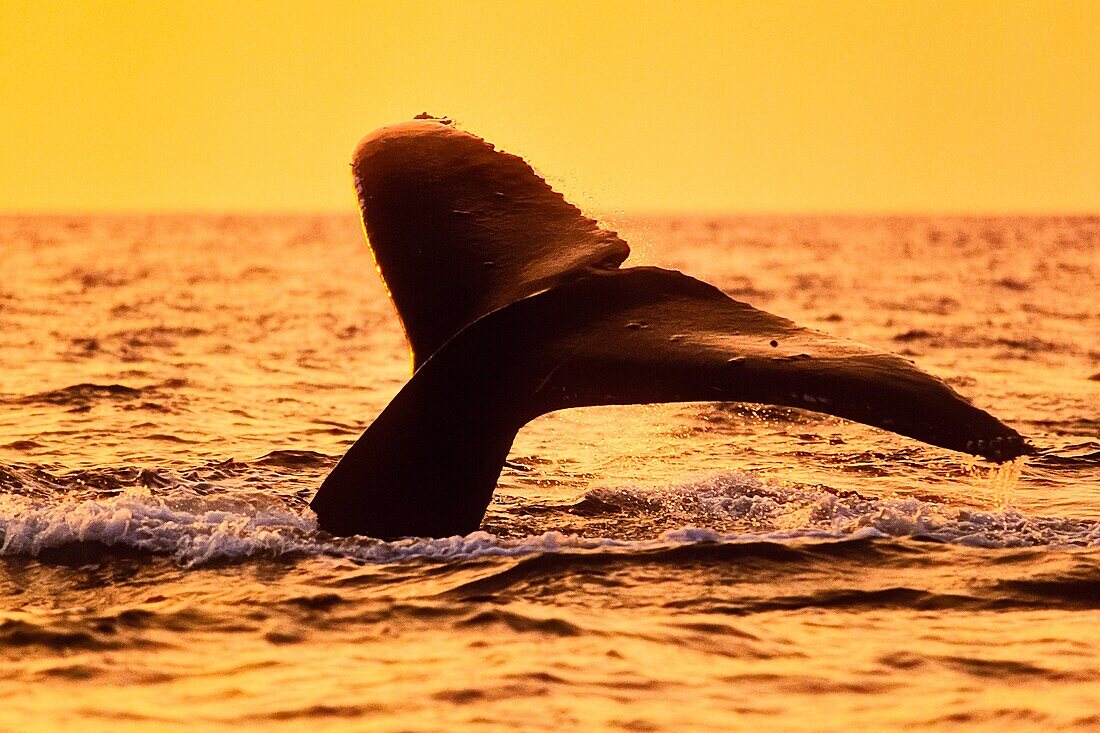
point(722, 365)
point(739, 106)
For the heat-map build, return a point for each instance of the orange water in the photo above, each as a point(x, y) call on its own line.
point(174, 388)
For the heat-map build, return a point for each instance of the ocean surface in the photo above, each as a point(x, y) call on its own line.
point(173, 389)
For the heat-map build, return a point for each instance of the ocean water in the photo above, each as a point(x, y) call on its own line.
point(174, 388)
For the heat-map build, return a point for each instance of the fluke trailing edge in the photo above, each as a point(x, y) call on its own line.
point(514, 305)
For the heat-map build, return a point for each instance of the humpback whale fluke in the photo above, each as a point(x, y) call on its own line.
point(514, 305)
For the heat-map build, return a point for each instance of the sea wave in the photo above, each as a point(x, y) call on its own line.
point(743, 501)
point(200, 529)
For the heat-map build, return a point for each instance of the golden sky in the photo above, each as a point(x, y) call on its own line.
point(737, 106)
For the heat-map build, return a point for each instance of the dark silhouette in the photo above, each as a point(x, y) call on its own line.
point(514, 306)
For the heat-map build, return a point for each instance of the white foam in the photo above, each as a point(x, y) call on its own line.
point(741, 503)
point(736, 507)
point(197, 535)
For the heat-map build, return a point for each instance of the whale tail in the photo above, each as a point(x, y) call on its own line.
point(514, 305)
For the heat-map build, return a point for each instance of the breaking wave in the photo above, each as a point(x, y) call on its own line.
point(728, 509)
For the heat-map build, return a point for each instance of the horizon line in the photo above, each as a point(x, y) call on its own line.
point(595, 213)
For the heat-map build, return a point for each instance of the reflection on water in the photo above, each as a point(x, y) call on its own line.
point(173, 389)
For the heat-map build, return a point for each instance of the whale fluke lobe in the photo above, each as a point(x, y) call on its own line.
point(514, 306)
point(459, 229)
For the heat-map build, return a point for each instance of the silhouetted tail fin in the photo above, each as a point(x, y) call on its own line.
point(555, 324)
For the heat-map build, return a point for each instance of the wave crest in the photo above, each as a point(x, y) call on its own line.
point(740, 503)
point(732, 508)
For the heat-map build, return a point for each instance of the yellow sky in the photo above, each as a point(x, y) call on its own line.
point(739, 106)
